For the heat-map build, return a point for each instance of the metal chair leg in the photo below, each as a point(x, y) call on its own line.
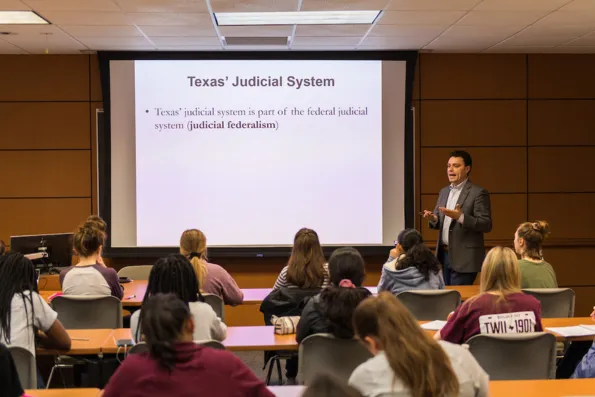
point(50, 378)
point(279, 373)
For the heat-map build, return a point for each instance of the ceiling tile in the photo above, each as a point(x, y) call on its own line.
point(256, 48)
point(586, 40)
point(257, 31)
point(306, 41)
point(109, 42)
point(188, 48)
point(331, 30)
point(574, 50)
point(420, 17)
point(185, 41)
point(203, 30)
point(180, 19)
point(8, 48)
point(72, 5)
point(539, 35)
point(85, 18)
point(40, 38)
point(397, 43)
point(254, 6)
point(570, 18)
point(503, 49)
point(579, 5)
point(334, 5)
point(407, 30)
point(433, 5)
point(520, 5)
point(323, 48)
point(13, 5)
point(501, 18)
point(101, 31)
point(167, 6)
point(465, 33)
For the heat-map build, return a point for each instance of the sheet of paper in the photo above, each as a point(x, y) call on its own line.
point(435, 325)
point(590, 327)
point(576, 330)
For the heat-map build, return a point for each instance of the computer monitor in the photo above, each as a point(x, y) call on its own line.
point(57, 246)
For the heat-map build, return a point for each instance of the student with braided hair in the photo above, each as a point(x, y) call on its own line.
point(174, 275)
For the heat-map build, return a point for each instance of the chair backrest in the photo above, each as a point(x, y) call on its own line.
point(555, 302)
point(516, 356)
point(140, 272)
point(140, 347)
point(26, 367)
point(214, 344)
point(430, 304)
point(87, 312)
point(323, 353)
point(216, 303)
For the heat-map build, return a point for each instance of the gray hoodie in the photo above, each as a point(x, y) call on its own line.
point(397, 281)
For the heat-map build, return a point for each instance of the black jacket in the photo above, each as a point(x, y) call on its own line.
point(286, 301)
point(9, 378)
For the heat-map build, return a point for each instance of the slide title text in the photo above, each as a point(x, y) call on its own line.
point(258, 81)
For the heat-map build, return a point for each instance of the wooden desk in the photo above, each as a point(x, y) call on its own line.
point(542, 388)
point(96, 338)
point(63, 393)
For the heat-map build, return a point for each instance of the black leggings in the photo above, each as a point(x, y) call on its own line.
point(574, 354)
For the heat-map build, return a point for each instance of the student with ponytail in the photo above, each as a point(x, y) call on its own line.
point(175, 365)
point(528, 241)
point(331, 311)
point(407, 362)
point(212, 279)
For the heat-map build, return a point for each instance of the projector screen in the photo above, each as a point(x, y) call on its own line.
point(249, 151)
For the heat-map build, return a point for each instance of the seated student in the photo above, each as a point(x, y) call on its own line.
point(90, 276)
point(326, 385)
point(175, 365)
point(535, 272)
point(24, 316)
point(413, 267)
point(332, 310)
point(212, 279)
point(9, 378)
point(174, 275)
point(407, 362)
point(306, 267)
point(500, 294)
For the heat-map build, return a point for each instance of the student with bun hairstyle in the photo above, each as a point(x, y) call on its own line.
point(500, 293)
point(212, 279)
point(90, 276)
point(407, 362)
point(535, 271)
point(413, 267)
point(331, 311)
point(175, 365)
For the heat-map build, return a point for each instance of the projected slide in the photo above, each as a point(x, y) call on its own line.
point(251, 151)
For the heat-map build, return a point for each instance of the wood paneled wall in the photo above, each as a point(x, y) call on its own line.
point(528, 121)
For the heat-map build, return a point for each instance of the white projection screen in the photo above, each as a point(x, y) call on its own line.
point(250, 150)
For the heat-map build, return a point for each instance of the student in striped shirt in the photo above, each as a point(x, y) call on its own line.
point(306, 267)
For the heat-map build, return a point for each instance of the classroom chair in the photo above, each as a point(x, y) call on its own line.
point(516, 356)
point(430, 304)
point(216, 303)
point(136, 272)
point(88, 312)
point(323, 353)
point(555, 302)
point(26, 366)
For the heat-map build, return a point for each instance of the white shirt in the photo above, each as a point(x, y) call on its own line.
point(207, 326)
point(451, 203)
point(24, 321)
point(375, 377)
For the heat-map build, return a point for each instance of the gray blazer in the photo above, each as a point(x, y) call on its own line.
point(466, 248)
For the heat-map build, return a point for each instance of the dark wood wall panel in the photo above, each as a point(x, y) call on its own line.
point(44, 125)
point(585, 296)
point(561, 122)
point(570, 265)
point(499, 170)
point(95, 79)
point(561, 76)
point(474, 123)
point(462, 76)
point(44, 78)
point(39, 216)
point(558, 210)
point(46, 173)
point(546, 173)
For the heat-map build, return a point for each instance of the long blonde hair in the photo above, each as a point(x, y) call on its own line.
point(415, 358)
point(193, 245)
point(500, 272)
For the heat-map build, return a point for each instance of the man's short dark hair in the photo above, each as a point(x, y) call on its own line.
point(2, 248)
point(465, 156)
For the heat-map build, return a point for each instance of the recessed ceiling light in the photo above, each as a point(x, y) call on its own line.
point(21, 18)
point(296, 18)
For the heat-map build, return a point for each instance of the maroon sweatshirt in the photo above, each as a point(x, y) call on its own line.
point(202, 372)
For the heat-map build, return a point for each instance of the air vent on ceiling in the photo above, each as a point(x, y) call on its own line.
point(256, 41)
